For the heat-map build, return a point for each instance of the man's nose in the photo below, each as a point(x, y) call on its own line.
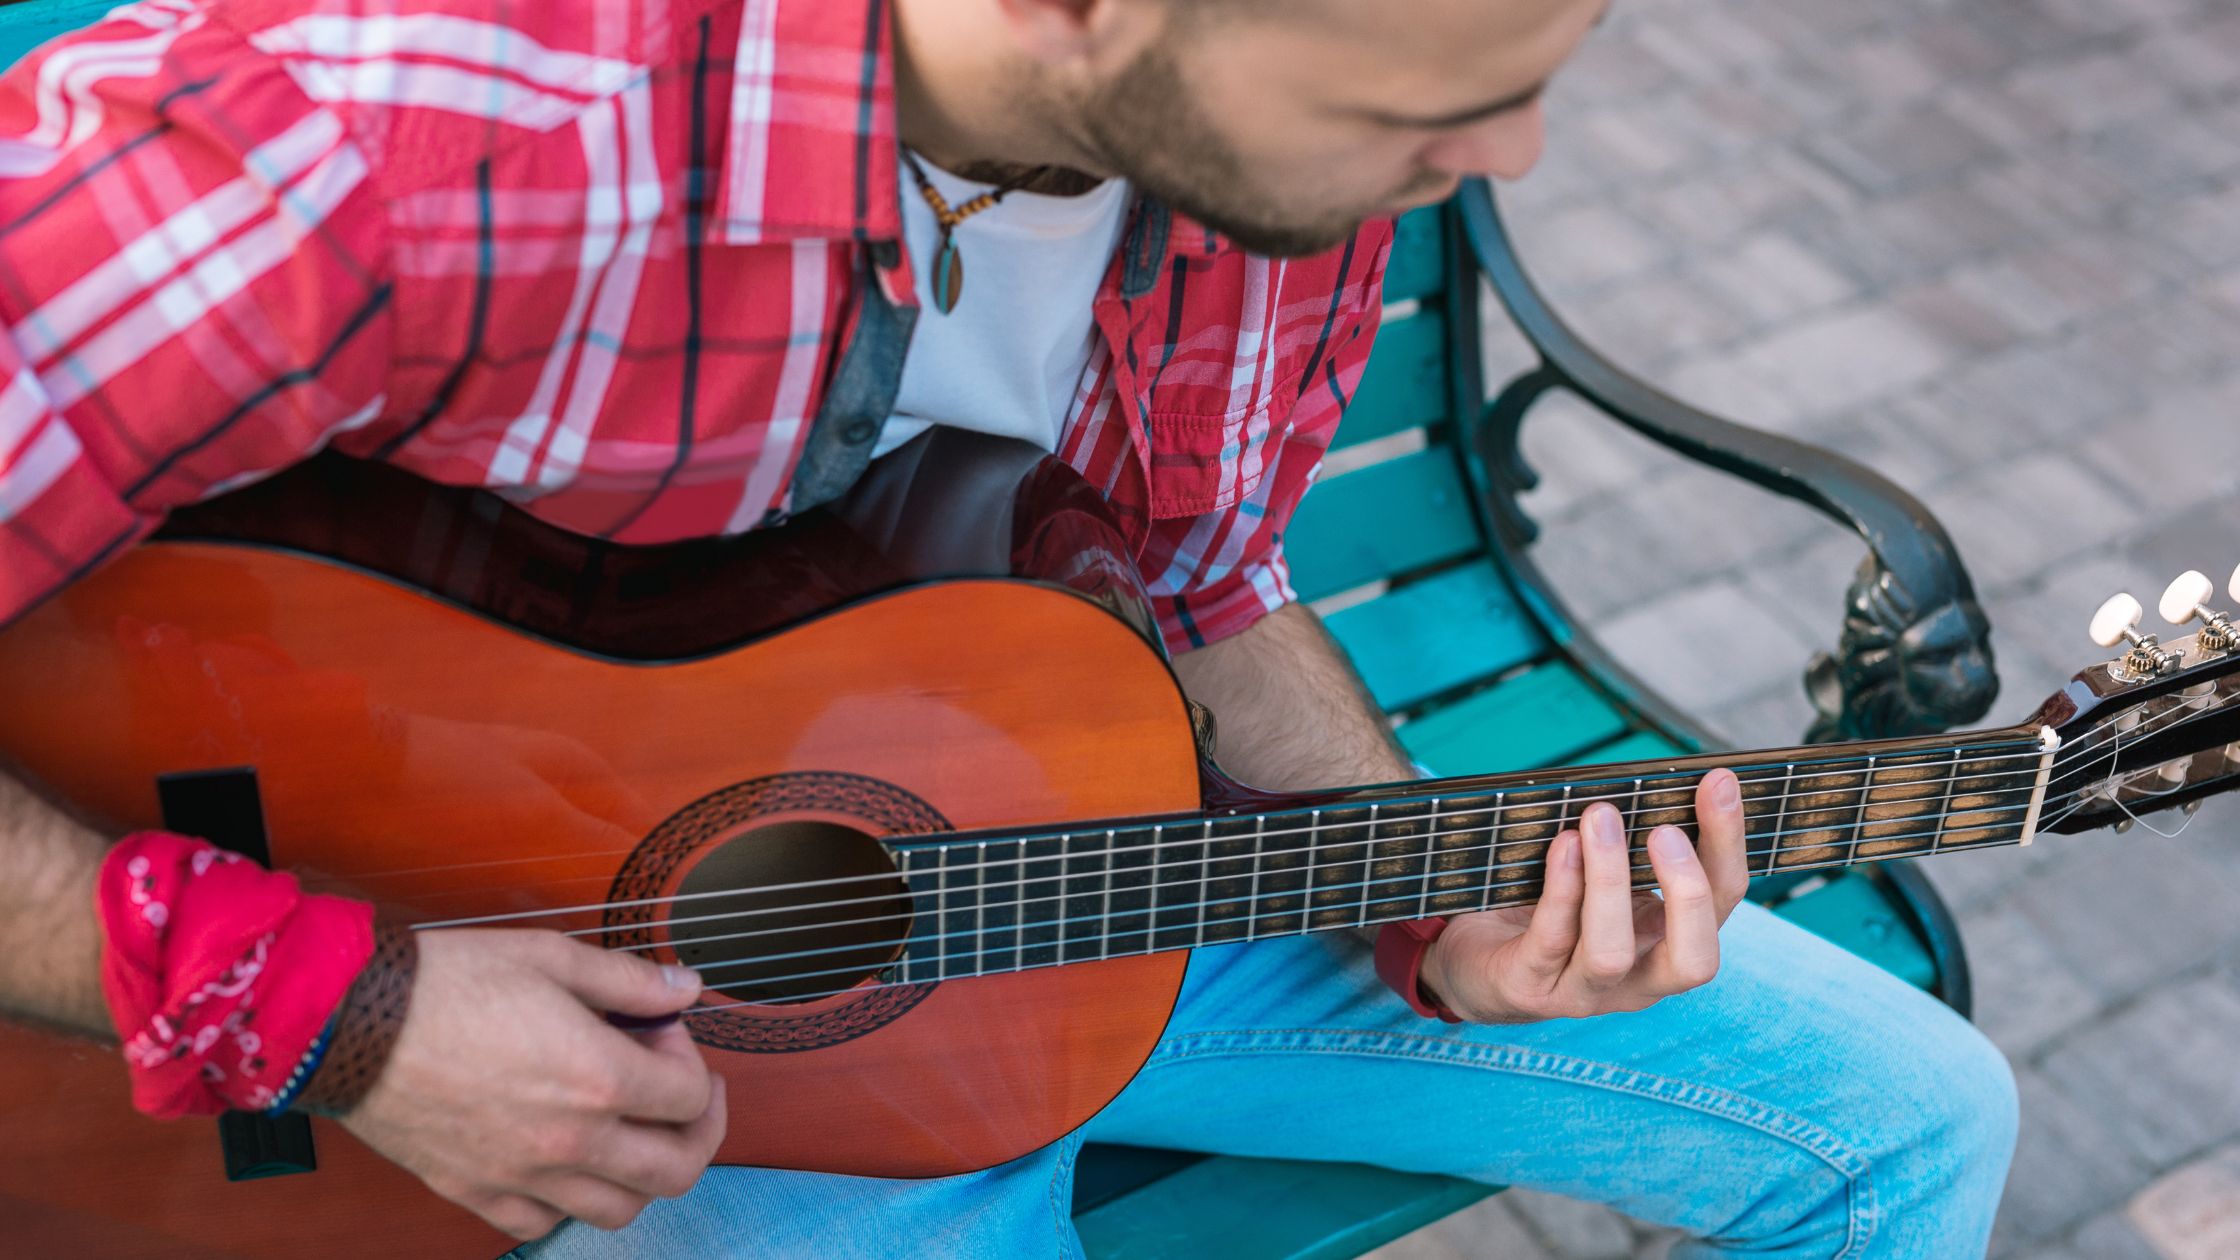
point(1504, 146)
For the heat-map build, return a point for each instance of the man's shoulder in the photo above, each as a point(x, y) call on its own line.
point(644, 32)
point(431, 85)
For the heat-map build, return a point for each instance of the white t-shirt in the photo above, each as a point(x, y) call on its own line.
point(1009, 358)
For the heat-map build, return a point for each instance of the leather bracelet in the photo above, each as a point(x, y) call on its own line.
point(1400, 950)
point(366, 1025)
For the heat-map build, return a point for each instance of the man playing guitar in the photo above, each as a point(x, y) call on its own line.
point(661, 270)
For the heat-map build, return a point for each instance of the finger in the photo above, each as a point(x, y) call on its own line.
point(518, 1215)
point(595, 1201)
point(1605, 954)
point(660, 1159)
point(1689, 953)
point(1723, 843)
point(611, 980)
point(1552, 932)
point(664, 1078)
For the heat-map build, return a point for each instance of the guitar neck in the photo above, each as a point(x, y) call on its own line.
point(1007, 901)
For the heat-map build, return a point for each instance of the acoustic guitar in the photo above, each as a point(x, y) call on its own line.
point(905, 778)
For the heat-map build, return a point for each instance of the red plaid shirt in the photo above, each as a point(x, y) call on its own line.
point(635, 266)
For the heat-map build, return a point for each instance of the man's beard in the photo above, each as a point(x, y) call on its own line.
point(1145, 126)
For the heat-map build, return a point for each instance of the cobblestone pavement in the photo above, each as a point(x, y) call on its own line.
point(1992, 248)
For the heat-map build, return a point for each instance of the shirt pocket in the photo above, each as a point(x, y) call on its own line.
point(1204, 461)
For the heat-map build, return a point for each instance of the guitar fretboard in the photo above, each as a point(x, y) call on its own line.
point(995, 902)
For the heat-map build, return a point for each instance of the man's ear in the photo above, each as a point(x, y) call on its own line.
point(1083, 33)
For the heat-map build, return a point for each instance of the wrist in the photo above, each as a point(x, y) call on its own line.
point(365, 1027)
point(1402, 952)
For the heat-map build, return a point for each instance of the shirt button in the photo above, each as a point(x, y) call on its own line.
point(858, 432)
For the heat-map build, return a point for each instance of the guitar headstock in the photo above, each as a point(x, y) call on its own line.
point(2156, 728)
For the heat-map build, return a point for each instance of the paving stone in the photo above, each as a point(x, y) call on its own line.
point(2168, 155)
point(2193, 1213)
point(1770, 278)
point(2026, 994)
point(1841, 360)
point(2182, 450)
point(1706, 645)
point(1586, 246)
point(1776, 717)
point(2012, 522)
point(1651, 321)
point(1582, 456)
point(2133, 911)
point(1892, 152)
point(2156, 1076)
point(1489, 1227)
point(2056, 285)
point(2090, 94)
point(2110, 1237)
point(1575, 1230)
point(2069, 1162)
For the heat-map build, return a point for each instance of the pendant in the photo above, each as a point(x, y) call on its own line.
point(948, 275)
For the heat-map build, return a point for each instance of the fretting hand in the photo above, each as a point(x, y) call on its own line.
point(1594, 943)
point(510, 1094)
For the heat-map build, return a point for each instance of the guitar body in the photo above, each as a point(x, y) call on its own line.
point(473, 715)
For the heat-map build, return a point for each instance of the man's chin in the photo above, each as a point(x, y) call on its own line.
point(1280, 241)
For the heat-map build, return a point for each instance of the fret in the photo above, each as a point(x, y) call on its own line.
point(1944, 806)
point(1990, 800)
point(1104, 912)
point(1019, 906)
point(1460, 851)
point(1158, 881)
point(1817, 813)
point(1286, 872)
point(1041, 899)
point(1361, 920)
point(1780, 818)
point(1080, 915)
point(1430, 847)
point(1131, 889)
point(1252, 897)
point(1668, 806)
point(1231, 884)
point(1399, 862)
point(1182, 887)
point(1509, 871)
point(1905, 810)
point(1859, 824)
point(978, 963)
point(924, 918)
point(1341, 883)
point(941, 915)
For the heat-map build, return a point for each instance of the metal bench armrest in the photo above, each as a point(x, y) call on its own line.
point(1915, 652)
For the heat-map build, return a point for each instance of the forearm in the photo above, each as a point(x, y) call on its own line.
point(1289, 711)
point(50, 942)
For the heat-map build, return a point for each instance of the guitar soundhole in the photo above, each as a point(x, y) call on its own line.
point(796, 943)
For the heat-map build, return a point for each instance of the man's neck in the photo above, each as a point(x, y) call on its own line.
point(951, 104)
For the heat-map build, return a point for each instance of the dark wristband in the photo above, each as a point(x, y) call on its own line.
point(1400, 950)
point(366, 1025)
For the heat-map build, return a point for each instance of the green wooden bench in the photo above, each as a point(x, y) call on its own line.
point(1459, 637)
point(1417, 537)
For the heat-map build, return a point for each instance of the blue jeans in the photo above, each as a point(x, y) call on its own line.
point(1804, 1103)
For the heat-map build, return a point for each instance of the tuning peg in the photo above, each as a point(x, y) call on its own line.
point(2188, 598)
point(2117, 620)
point(2116, 623)
point(2233, 588)
point(2183, 600)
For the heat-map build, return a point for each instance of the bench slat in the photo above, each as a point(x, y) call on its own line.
point(1405, 384)
point(1437, 634)
point(1539, 718)
point(1418, 267)
point(1389, 518)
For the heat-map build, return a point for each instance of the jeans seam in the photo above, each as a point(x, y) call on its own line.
point(1795, 1130)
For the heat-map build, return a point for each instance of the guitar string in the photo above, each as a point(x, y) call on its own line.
point(1206, 877)
point(1645, 785)
point(2176, 716)
point(938, 840)
point(2084, 796)
point(1316, 838)
point(1148, 930)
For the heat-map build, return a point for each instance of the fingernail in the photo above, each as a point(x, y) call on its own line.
point(1603, 827)
point(682, 979)
point(1727, 791)
point(1667, 843)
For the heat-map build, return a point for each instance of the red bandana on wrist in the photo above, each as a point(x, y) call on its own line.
point(218, 972)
